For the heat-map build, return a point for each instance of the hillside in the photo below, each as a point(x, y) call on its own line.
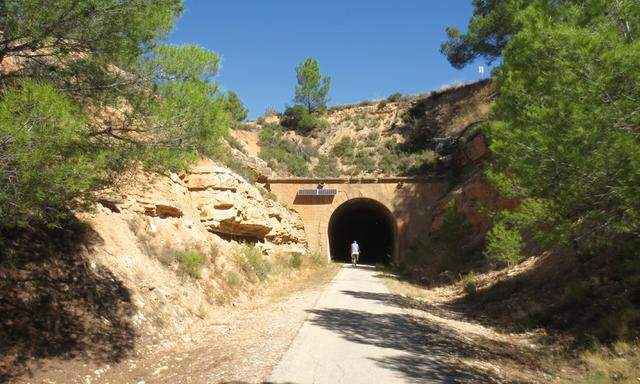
point(436, 133)
point(151, 263)
point(411, 135)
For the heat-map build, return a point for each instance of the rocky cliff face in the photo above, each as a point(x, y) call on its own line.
point(228, 205)
point(209, 198)
point(209, 209)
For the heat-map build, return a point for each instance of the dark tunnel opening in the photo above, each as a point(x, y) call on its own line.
point(369, 223)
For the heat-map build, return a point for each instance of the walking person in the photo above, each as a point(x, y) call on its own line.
point(355, 253)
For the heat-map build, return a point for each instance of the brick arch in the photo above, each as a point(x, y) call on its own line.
point(384, 225)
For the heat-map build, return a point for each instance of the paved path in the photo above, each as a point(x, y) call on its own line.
point(355, 334)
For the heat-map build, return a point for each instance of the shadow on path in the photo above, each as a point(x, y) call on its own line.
point(406, 302)
point(431, 352)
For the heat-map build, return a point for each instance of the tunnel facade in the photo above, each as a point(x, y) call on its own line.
point(369, 223)
point(396, 211)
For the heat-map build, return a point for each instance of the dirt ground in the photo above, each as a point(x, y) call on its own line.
point(509, 357)
point(249, 139)
point(241, 345)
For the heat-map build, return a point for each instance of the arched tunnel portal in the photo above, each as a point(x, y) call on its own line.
point(368, 222)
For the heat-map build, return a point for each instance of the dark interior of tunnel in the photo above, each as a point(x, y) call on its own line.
point(370, 224)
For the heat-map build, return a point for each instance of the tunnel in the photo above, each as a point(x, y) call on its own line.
point(368, 222)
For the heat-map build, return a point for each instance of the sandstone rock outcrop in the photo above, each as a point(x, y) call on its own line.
point(214, 197)
point(229, 206)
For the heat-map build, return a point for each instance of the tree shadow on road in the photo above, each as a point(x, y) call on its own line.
point(55, 303)
point(432, 352)
point(406, 302)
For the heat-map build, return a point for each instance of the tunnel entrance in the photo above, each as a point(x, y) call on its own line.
point(369, 223)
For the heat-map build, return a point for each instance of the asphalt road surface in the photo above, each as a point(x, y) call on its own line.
point(355, 334)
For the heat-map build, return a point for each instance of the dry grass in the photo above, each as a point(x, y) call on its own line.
point(304, 278)
point(402, 287)
point(260, 278)
point(440, 294)
point(618, 364)
point(519, 357)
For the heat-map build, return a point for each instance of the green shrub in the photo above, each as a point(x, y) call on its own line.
point(223, 154)
point(576, 292)
point(372, 140)
point(308, 149)
point(299, 119)
point(470, 283)
point(221, 299)
point(279, 159)
point(190, 263)
point(364, 162)
point(295, 261)
point(444, 251)
point(389, 163)
point(165, 256)
point(420, 162)
point(450, 238)
point(415, 262)
point(504, 244)
point(327, 166)
point(235, 143)
point(391, 145)
point(233, 279)
point(344, 149)
point(245, 126)
point(318, 259)
point(394, 97)
point(282, 154)
point(253, 263)
point(271, 196)
point(271, 134)
point(235, 107)
point(214, 252)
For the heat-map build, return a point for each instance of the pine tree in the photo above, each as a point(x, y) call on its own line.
point(90, 94)
point(312, 87)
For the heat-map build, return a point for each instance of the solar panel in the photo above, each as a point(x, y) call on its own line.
point(327, 192)
point(317, 192)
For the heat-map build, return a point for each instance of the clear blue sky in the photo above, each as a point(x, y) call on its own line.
point(369, 48)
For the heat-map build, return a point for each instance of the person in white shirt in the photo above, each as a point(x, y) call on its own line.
point(355, 253)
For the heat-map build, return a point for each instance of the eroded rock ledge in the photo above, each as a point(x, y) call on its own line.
point(222, 201)
point(229, 205)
